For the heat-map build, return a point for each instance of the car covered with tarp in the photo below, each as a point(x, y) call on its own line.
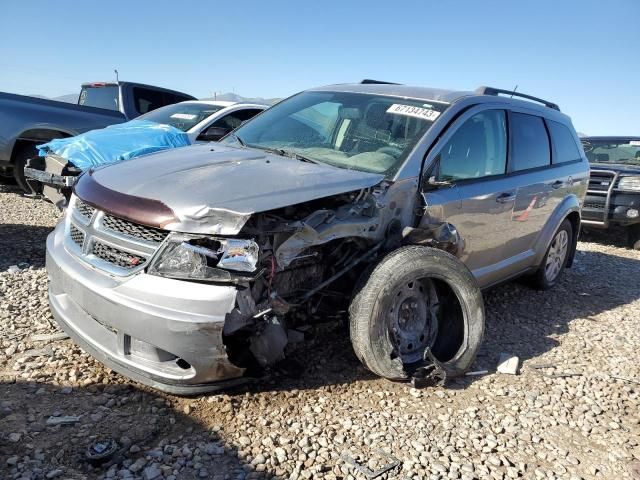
point(166, 128)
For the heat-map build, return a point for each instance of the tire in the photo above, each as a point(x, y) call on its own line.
point(25, 153)
point(445, 312)
point(633, 235)
point(555, 259)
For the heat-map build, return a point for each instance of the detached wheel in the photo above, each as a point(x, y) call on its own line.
point(417, 297)
point(555, 260)
point(633, 235)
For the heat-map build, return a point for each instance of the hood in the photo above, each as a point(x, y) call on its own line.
point(616, 167)
point(212, 188)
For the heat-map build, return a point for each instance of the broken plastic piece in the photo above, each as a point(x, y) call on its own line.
point(66, 420)
point(433, 374)
point(393, 463)
point(100, 451)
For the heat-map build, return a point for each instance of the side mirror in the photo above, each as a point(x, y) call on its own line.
point(213, 134)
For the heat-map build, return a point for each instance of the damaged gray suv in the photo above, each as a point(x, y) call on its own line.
point(185, 269)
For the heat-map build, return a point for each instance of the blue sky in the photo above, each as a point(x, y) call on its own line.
point(583, 55)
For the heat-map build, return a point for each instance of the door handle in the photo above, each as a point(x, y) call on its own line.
point(557, 184)
point(506, 197)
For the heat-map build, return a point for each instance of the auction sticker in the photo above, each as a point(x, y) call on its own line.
point(635, 143)
point(410, 111)
point(184, 116)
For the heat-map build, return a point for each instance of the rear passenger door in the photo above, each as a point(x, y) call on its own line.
point(539, 189)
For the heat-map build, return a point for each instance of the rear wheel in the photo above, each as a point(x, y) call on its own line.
point(633, 235)
point(555, 260)
point(25, 153)
point(417, 298)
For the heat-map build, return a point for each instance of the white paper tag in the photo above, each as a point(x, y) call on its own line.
point(184, 116)
point(635, 143)
point(410, 111)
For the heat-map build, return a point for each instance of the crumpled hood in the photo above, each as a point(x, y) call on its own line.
point(213, 188)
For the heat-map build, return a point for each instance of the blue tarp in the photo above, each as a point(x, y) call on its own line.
point(116, 143)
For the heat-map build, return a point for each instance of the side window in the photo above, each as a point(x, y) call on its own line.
point(477, 149)
point(146, 100)
point(565, 148)
point(530, 148)
point(235, 119)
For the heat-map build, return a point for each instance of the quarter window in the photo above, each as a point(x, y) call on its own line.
point(565, 148)
point(477, 149)
point(530, 142)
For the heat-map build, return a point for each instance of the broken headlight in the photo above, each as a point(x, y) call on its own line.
point(204, 258)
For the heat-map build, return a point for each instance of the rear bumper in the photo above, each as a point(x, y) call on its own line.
point(160, 332)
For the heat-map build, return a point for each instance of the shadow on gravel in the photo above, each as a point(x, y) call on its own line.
point(614, 236)
point(152, 436)
point(22, 244)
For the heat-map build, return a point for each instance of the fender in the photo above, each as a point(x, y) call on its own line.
point(569, 205)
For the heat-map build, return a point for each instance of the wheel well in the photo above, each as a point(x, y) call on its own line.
point(34, 137)
point(574, 218)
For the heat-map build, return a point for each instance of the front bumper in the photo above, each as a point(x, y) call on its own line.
point(597, 213)
point(160, 332)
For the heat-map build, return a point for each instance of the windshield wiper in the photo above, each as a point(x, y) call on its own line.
point(297, 156)
point(240, 141)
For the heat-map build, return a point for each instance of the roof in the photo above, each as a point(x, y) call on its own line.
point(423, 93)
point(610, 139)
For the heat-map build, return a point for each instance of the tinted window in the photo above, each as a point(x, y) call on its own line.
point(530, 142)
point(566, 149)
point(235, 119)
point(477, 149)
point(100, 97)
point(147, 100)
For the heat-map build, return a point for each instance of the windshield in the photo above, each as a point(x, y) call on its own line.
point(623, 151)
point(107, 97)
point(183, 116)
point(356, 131)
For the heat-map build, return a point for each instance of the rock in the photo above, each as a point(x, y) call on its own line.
point(15, 437)
point(508, 364)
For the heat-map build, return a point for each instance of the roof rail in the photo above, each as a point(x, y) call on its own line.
point(496, 91)
point(368, 81)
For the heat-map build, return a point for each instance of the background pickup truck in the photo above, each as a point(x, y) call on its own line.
point(28, 121)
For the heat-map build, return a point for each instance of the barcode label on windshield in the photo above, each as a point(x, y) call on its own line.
point(418, 112)
point(184, 116)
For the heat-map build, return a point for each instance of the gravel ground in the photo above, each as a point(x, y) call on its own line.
point(571, 412)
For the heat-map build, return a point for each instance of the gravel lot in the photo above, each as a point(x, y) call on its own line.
point(578, 418)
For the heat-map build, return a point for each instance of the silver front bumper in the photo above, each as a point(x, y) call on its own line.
point(161, 332)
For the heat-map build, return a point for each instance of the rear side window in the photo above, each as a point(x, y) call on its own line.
point(565, 148)
point(147, 100)
point(477, 149)
point(530, 148)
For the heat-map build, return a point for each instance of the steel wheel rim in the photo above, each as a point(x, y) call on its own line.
point(557, 254)
point(413, 324)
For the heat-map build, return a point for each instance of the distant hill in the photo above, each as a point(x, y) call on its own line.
point(228, 97)
point(234, 97)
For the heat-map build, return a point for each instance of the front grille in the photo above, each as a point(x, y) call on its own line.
point(594, 205)
point(135, 230)
point(116, 256)
point(84, 209)
point(109, 243)
point(601, 181)
point(76, 235)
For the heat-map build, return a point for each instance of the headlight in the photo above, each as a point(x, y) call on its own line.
point(204, 258)
point(629, 183)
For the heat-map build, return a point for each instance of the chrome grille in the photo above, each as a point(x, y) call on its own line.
point(84, 209)
point(76, 235)
point(116, 256)
point(600, 181)
point(109, 243)
point(136, 230)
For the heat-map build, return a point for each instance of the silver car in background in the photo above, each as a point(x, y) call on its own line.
point(187, 269)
